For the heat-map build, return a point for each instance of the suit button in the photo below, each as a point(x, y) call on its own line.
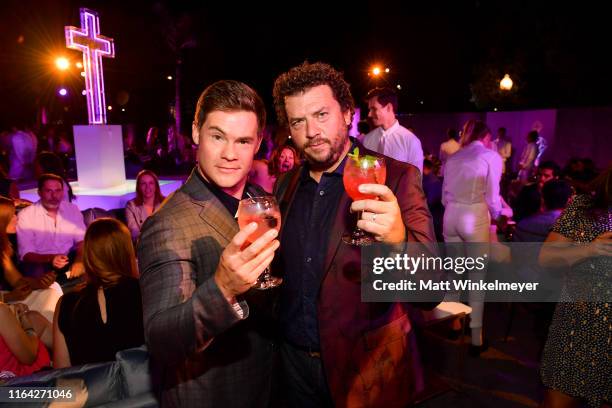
point(308, 259)
point(322, 193)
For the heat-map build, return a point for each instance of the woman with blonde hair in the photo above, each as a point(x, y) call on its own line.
point(106, 316)
point(147, 201)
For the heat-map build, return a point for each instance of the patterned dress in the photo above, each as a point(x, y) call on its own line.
point(578, 353)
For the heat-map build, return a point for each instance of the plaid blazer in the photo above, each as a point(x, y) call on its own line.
point(203, 354)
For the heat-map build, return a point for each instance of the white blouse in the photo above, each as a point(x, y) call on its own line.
point(472, 176)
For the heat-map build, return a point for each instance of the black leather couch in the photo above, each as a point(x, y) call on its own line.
point(123, 383)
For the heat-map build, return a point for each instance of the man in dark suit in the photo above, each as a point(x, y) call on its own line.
point(209, 335)
point(337, 350)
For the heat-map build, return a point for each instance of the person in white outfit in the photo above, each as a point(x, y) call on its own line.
point(389, 137)
point(470, 194)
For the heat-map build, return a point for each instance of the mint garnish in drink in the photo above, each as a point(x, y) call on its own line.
point(364, 162)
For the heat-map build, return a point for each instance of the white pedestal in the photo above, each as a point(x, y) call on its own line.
point(99, 156)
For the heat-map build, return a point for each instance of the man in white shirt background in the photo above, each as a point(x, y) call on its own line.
point(50, 230)
point(389, 137)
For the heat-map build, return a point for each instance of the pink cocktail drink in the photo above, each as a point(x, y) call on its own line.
point(265, 222)
point(265, 212)
point(360, 170)
point(355, 176)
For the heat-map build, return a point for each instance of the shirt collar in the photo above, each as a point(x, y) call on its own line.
point(218, 192)
point(46, 212)
point(393, 128)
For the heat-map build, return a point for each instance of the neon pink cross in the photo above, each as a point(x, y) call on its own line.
point(94, 46)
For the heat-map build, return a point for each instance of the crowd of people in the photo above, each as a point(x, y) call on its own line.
point(177, 272)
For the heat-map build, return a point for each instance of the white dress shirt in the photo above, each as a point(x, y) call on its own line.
point(39, 233)
point(471, 176)
point(396, 142)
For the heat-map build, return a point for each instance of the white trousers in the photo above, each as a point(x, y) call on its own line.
point(469, 223)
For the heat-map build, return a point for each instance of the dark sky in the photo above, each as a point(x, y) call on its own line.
point(447, 58)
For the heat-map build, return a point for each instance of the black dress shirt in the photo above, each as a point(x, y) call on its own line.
point(229, 201)
point(304, 246)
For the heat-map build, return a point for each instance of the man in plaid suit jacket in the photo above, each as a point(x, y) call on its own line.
point(210, 336)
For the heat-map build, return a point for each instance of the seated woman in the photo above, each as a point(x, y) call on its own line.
point(40, 294)
point(105, 317)
point(21, 350)
point(148, 199)
point(283, 159)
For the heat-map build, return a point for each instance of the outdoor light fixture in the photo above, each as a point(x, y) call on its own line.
point(62, 63)
point(506, 83)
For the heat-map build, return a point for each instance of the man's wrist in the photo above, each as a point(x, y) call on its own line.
point(227, 294)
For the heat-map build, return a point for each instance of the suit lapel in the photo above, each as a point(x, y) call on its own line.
point(213, 212)
point(286, 199)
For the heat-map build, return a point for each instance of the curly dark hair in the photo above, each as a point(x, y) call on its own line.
point(306, 76)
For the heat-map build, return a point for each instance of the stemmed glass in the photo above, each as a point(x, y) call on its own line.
point(362, 170)
point(265, 212)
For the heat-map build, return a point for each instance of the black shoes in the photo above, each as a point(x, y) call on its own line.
point(474, 351)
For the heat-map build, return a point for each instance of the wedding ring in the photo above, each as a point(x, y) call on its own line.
point(373, 217)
